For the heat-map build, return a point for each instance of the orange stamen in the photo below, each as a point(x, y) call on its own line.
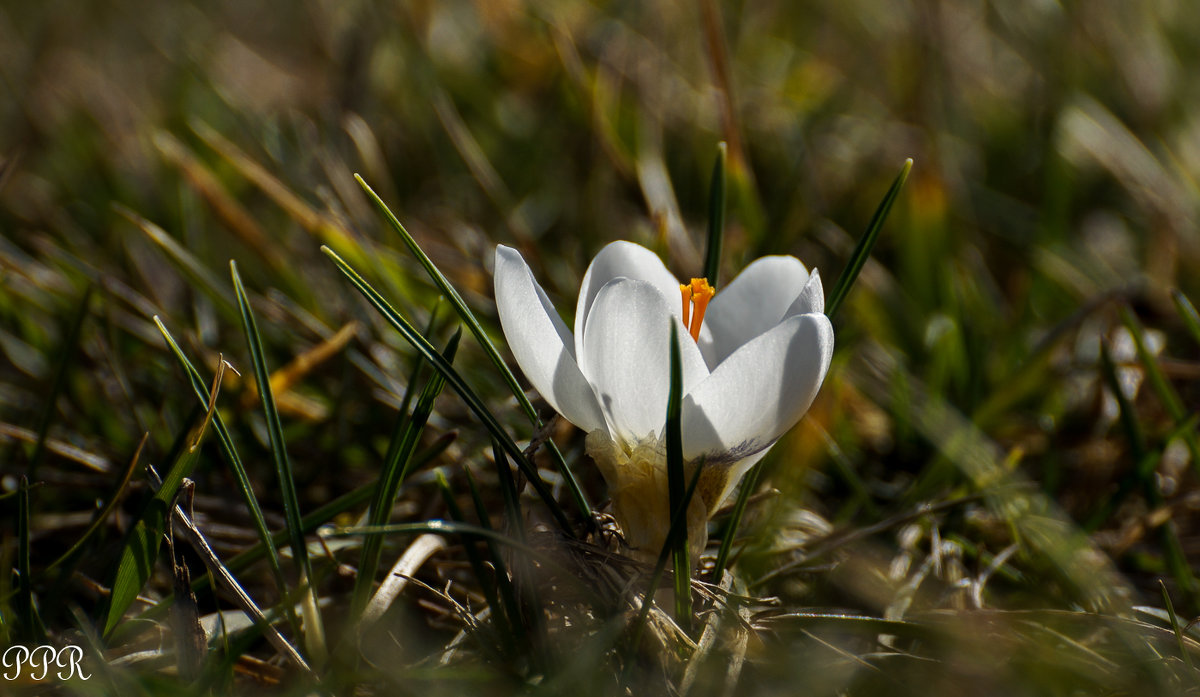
point(701, 294)
point(686, 291)
point(695, 301)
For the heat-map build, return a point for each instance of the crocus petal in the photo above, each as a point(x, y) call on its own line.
point(753, 302)
point(758, 392)
point(627, 357)
point(812, 298)
point(541, 342)
point(630, 261)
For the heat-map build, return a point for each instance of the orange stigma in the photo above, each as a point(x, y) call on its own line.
point(695, 300)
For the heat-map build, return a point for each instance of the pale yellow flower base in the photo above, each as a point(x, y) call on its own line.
point(637, 482)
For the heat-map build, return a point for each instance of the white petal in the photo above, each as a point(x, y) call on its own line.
point(627, 357)
point(541, 342)
point(753, 303)
point(758, 392)
point(630, 261)
point(812, 298)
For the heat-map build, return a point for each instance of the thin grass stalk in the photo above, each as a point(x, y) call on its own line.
point(31, 629)
point(472, 400)
point(450, 293)
point(676, 487)
point(395, 469)
point(716, 217)
point(862, 251)
point(74, 554)
point(235, 464)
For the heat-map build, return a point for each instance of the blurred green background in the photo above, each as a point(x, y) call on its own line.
point(969, 428)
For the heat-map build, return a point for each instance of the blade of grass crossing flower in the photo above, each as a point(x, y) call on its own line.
point(678, 520)
point(858, 258)
point(472, 400)
point(675, 489)
point(1166, 393)
point(70, 344)
point(1187, 311)
point(314, 634)
point(449, 292)
point(235, 464)
point(716, 217)
point(395, 468)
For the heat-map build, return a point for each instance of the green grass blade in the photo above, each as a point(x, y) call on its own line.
point(472, 400)
point(716, 217)
point(70, 344)
point(395, 468)
point(314, 634)
point(449, 292)
point(235, 463)
point(1187, 311)
point(675, 488)
point(863, 249)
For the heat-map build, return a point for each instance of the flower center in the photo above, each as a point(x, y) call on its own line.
point(695, 301)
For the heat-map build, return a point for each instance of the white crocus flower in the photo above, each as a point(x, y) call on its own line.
point(754, 361)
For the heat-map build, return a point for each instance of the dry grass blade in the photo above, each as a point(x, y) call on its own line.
point(187, 528)
point(419, 552)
